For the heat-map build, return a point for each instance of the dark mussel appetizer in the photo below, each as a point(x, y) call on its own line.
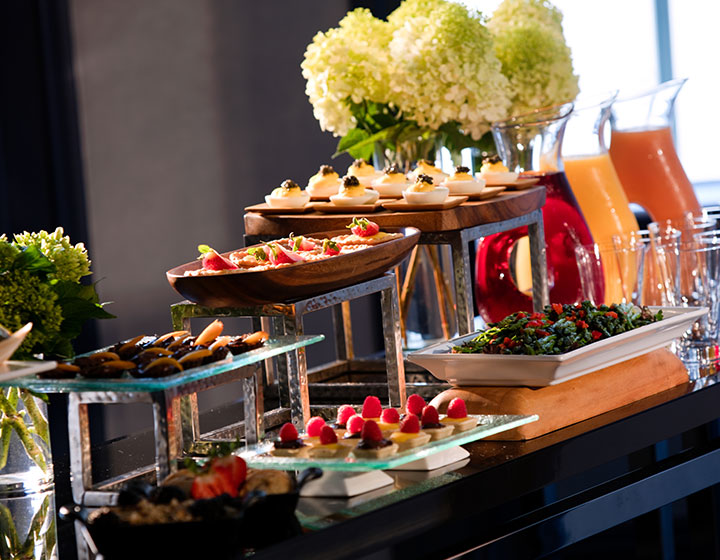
point(158, 356)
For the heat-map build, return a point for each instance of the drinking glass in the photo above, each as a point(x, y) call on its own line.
point(611, 268)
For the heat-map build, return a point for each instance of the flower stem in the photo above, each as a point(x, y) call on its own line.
point(38, 420)
point(33, 449)
point(5, 433)
point(9, 541)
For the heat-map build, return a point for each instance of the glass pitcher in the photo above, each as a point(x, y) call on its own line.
point(596, 185)
point(530, 144)
point(643, 152)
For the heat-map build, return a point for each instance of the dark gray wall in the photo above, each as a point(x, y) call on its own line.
point(190, 110)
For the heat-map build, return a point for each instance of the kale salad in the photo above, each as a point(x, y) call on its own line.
point(558, 329)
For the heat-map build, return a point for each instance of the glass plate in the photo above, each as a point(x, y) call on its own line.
point(272, 347)
point(258, 455)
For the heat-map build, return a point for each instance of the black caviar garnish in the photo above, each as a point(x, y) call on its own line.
point(492, 159)
point(350, 181)
point(288, 184)
point(326, 170)
point(462, 169)
point(422, 178)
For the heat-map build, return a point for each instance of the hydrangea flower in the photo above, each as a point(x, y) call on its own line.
point(529, 41)
point(72, 261)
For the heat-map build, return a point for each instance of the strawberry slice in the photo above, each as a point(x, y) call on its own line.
point(410, 424)
point(314, 426)
point(390, 416)
point(371, 431)
point(327, 435)
point(415, 404)
point(211, 484)
point(363, 227)
point(430, 415)
point(330, 247)
point(212, 260)
point(371, 407)
point(231, 468)
point(457, 409)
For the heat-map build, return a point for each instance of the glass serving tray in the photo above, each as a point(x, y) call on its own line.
point(258, 455)
point(126, 384)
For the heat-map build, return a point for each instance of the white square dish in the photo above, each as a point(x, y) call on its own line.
point(542, 370)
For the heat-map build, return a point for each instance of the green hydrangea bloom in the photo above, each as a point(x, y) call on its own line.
point(23, 298)
point(8, 252)
point(529, 42)
point(72, 261)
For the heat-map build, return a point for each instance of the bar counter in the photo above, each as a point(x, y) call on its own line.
point(542, 496)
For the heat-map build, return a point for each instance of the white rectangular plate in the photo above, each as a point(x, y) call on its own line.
point(539, 371)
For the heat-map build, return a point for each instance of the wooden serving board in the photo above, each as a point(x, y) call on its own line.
point(486, 194)
point(330, 208)
point(264, 208)
point(470, 214)
point(405, 206)
point(573, 401)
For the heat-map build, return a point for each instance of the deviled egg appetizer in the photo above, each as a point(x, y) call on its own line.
point(461, 182)
point(364, 172)
point(494, 172)
point(426, 167)
point(352, 193)
point(391, 183)
point(423, 191)
point(325, 183)
point(288, 195)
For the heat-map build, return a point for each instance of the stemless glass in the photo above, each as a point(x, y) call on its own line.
point(611, 269)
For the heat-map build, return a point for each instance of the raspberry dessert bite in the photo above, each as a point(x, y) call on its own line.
point(340, 425)
point(430, 423)
point(458, 418)
point(389, 421)
point(409, 435)
point(414, 405)
point(289, 444)
point(312, 430)
point(372, 409)
point(328, 446)
point(354, 428)
point(372, 444)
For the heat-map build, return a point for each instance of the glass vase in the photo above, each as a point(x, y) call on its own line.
point(531, 144)
point(25, 458)
point(27, 527)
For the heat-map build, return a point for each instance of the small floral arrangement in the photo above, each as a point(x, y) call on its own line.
point(40, 283)
point(435, 69)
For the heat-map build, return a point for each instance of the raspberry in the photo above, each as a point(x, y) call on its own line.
point(355, 424)
point(430, 415)
point(288, 432)
point(327, 435)
point(410, 424)
point(314, 426)
point(390, 416)
point(371, 431)
point(344, 414)
point(371, 407)
point(415, 405)
point(457, 409)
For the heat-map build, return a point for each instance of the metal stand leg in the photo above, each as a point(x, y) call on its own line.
point(252, 406)
point(463, 287)
point(538, 262)
point(342, 324)
point(297, 376)
point(393, 346)
point(79, 447)
point(166, 445)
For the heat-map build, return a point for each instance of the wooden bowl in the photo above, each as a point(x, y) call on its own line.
point(296, 281)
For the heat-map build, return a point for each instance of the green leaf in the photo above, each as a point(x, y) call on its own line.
point(31, 259)
point(353, 137)
point(204, 249)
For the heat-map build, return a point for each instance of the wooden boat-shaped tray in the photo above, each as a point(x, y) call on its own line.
point(295, 281)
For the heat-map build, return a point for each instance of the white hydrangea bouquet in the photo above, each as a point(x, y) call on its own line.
point(435, 70)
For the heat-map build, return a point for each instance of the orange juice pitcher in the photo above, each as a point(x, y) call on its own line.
point(596, 184)
point(643, 152)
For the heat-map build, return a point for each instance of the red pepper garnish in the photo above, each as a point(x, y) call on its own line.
point(582, 324)
point(611, 314)
point(521, 315)
point(558, 308)
point(542, 332)
point(596, 335)
point(534, 324)
point(537, 316)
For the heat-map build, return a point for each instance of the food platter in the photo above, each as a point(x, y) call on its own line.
point(542, 370)
point(295, 281)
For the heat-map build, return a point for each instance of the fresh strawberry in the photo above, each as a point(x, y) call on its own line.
point(363, 227)
point(288, 432)
point(212, 260)
point(371, 407)
point(327, 435)
point(415, 405)
point(457, 409)
point(371, 431)
point(355, 424)
point(344, 414)
point(232, 468)
point(410, 424)
point(314, 426)
point(390, 416)
point(429, 415)
point(330, 247)
point(211, 484)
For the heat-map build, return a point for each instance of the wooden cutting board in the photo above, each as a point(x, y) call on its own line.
point(575, 400)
